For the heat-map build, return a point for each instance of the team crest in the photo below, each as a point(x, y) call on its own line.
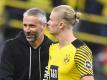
point(88, 64)
point(67, 58)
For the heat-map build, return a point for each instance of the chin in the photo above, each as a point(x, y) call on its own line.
point(30, 40)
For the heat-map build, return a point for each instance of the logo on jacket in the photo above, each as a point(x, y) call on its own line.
point(46, 75)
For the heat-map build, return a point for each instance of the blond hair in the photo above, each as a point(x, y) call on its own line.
point(68, 14)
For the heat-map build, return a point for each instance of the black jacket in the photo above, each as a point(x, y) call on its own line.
point(19, 61)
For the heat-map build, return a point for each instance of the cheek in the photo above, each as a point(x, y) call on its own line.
point(51, 23)
point(34, 30)
point(40, 30)
point(24, 30)
point(52, 26)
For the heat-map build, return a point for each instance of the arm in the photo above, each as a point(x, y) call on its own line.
point(84, 63)
point(87, 78)
point(7, 64)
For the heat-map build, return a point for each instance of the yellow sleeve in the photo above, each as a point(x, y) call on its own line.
point(83, 61)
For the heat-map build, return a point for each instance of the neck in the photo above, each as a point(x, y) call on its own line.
point(65, 38)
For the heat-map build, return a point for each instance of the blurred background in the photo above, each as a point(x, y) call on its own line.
point(92, 27)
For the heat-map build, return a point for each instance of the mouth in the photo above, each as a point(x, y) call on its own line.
point(29, 36)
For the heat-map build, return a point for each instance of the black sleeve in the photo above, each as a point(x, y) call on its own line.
point(7, 63)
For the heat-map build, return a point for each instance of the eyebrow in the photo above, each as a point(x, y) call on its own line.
point(29, 24)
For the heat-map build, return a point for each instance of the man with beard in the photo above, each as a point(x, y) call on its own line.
point(26, 56)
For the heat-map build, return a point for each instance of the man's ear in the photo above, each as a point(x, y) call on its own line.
point(61, 25)
point(44, 25)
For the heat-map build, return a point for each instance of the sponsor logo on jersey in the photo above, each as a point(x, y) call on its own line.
point(53, 72)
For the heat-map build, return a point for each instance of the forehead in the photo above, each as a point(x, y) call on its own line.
point(30, 19)
point(54, 15)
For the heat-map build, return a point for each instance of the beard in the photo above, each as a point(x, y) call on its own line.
point(31, 37)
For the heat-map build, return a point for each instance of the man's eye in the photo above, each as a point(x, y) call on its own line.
point(24, 25)
point(32, 26)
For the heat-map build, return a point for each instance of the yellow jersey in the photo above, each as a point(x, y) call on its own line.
point(70, 62)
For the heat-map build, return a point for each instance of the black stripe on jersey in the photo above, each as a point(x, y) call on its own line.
point(83, 71)
point(82, 54)
point(79, 59)
point(77, 43)
point(86, 49)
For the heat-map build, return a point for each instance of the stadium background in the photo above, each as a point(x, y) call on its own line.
point(92, 27)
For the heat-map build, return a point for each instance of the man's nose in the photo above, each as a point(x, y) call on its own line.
point(28, 29)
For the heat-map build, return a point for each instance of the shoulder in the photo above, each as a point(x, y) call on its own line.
point(14, 41)
point(9, 44)
point(10, 41)
point(81, 48)
point(78, 43)
point(19, 39)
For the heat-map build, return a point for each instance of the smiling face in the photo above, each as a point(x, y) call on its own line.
point(32, 28)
